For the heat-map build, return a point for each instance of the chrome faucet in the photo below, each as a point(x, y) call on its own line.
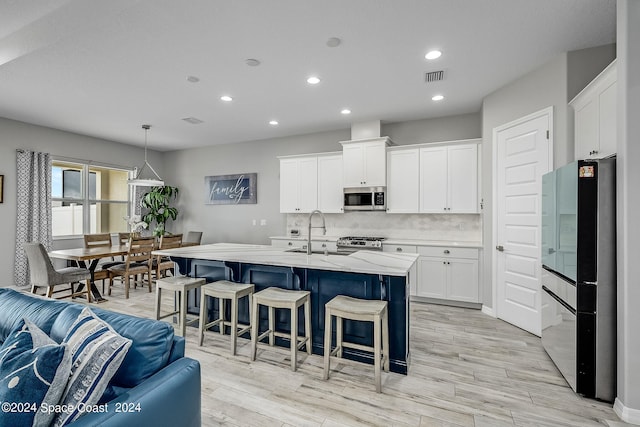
point(324, 229)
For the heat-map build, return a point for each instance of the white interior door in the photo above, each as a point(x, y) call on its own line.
point(523, 155)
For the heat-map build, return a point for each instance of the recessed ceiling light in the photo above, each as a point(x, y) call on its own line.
point(226, 98)
point(434, 54)
point(273, 123)
point(251, 62)
point(313, 80)
point(193, 79)
point(334, 42)
point(437, 98)
point(345, 111)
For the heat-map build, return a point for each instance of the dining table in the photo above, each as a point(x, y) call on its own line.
point(92, 256)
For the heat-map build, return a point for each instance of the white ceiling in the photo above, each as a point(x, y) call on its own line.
point(103, 68)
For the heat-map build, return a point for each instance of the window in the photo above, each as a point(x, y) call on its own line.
point(87, 198)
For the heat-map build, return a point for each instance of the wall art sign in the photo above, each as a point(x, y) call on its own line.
point(231, 189)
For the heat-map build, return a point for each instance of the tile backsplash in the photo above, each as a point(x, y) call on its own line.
point(447, 227)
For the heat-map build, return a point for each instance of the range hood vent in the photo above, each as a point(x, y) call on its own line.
point(434, 76)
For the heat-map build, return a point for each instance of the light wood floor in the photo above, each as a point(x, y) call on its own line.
point(467, 369)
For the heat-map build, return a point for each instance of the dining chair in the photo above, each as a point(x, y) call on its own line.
point(137, 262)
point(193, 237)
point(162, 264)
point(42, 274)
point(102, 270)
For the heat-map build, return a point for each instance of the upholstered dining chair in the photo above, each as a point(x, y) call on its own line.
point(137, 262)
point(43, 275)
point(162, 264)
point(193, 237)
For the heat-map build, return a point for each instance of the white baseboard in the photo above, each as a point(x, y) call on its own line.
point(488, 311)
point(628, 415)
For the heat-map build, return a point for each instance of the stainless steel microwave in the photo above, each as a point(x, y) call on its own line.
point(365, 199)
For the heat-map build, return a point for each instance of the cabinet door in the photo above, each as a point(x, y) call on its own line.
point(586, 129)
point(353, 165)
point(307, 184)
point(330, 188)
point(608, 126)
point(375, 161)
point(288, 185)
point(432, 278)
point(433, 180)
point(462, 179)
point(462, 280)
point(403, 177)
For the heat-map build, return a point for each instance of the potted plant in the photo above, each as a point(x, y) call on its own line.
point(157, 203)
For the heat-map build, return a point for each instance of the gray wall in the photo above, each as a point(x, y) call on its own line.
point(628, 400)
point(539, 89)
point(15, 135)
point(234, 223)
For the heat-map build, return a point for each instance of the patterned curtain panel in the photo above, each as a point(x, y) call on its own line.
point(33, 222)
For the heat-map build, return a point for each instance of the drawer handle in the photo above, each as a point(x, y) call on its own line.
point(324, 245)
point(290, 243)
point(446, 251)
point(398, 249)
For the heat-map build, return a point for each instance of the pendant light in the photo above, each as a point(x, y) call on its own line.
point(139, 180)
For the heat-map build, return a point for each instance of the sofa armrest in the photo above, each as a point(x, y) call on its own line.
point(170, 397)
point(177, 349)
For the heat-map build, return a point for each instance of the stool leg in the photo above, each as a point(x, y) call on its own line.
point(377, 335)
point(385, 339)
point(254, 328)
point(272, 326)
point(158, 299)
point(327, 342)
point(203, 316)
point(339, 321)
point(307, 326)
point(222, 305)
point(183, 312)
point(234, 325)
point(294, 336)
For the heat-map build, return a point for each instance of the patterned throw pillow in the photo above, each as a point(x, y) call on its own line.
point(97, 352)
point(34, 371)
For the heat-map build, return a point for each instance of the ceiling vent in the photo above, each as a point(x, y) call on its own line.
point(193, 120)
point(434, 76)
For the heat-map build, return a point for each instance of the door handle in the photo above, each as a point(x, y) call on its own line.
point(500, 248)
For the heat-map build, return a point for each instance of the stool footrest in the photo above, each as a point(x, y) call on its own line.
point(357, 346)
point(164, 316)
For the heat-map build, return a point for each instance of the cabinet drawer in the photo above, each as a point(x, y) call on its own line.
point(321, 245)
point(288, 244)
point(449, 252)
point(405, 249)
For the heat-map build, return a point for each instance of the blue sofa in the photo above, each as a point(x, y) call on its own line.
point(154, 374)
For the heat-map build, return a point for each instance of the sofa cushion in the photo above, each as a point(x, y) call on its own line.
point(149, 352)
point(96, 352)
point(15, 306)
point(33, 372)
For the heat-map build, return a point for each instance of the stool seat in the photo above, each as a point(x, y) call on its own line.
point(225, 290)
point(182, 285)
point(286, 299)
point(375, 311)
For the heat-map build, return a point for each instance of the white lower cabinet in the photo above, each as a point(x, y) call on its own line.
point(316, 245)
point(448, 273)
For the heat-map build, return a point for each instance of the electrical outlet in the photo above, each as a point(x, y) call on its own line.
point(254, 222)
point(263, 222)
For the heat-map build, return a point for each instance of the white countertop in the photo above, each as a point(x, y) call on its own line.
point(389, 241)
point(369, 262)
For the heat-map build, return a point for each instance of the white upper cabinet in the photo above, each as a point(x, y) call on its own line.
point(364, 162)
point(298, 184)
point(330, 188)
point(449, 179)
point(595, 114)
point(403, 179)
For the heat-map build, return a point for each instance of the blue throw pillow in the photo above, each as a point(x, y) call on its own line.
point(33, 374)
point(97, 351)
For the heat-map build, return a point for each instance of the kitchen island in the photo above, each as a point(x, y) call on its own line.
point(363, 274)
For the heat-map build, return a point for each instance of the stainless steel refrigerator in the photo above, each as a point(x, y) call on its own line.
point(579, 274)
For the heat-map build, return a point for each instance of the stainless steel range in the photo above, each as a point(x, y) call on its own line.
point(357, 243)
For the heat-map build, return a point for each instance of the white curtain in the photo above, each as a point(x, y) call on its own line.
point(33, 223)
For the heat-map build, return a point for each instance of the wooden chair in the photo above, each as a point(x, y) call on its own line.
point(102, 270)
point(162, 264)
point(137, 262)
point(43, 275)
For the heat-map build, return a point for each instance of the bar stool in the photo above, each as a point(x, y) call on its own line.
point(225, 290)
point(344, 307)
point(288, 299)
point(182, 285)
